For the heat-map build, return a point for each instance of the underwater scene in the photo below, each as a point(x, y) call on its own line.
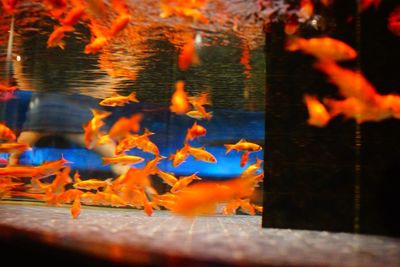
point(129, 103)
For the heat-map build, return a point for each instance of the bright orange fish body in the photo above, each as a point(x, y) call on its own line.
point(318, 115)
point(119, 100)
point(179, 101)
point(6, 88)
point(252, 170)
point(324, 48)
point(6, 133)
point(198, 115)
point(96, 45)
point(73, 16)
point(57, 36)
point(180, 156)
point(201, 154)
point(168, 178)
point(123, 159)
point(123, 126)
point(18, 171)
point(119, 24)
point(92, 184)
point(132, 141)
point(244, 159)
point(76, 208)
point(184, 182)
point(195, 131)
point(188, 55)
point(13, 147)
point(243, 145)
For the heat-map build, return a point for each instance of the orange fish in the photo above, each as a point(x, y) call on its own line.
point(245, 60)
point(51, 167)
point(188, 55)
point(324, 48)
point(200, 153)
point(195, 131)
point(318, 115)
point(146, 204)
point(244, 159)
point(6, 133)
point(180, 156)
point(132, 141)
point(98, 38)
point(231, 207)
point(350, 83)
point(394, 21)
point(73, 16)
point(124, 159)
point(18, 171)
point(179, 101)
point(13, 147)
point(306, 9)
point(92, 128)
point(76, 208)
point(119, 24)
point(252, 170)
point(57, 36)
point(168, 178)
point(243, 145)
point(6, 88)
point(198, 103)
point(123, 126)
point(183, 182)
point(118, 100)
point(198, 115)
point(92, 184)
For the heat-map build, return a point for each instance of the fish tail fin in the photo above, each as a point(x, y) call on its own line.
point(77, 177)
point(132, 97)
point(228, 148)
point(209, 115)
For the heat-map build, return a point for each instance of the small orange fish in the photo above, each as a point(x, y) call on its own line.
point(244, 159)
point(73, 16)
point(76, 208)
point(6, 88)
point(120, 6)
point(195, 131)
point(245, 60)
point(98, 38)
point(318, 115)
point(6, 133)
point(57, 36)
point(324, 48)
point(183, 182)
point(200, 153)
point(124, 159)
point(198, 115)
point(118, 100)
point(252, 170)
point(188, 55)
point(119, 24)
point(243, 145)
point(92, 184)
point(179, 101)
point(132, 141)
point(13, 147)
point(306, 9)
point(180, 156)
point(123, 126)
point(168, 178)
point(394, 21)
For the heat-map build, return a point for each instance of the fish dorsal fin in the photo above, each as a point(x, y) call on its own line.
point(242, 140)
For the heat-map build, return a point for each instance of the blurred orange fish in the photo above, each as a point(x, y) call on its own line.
point(179, 101)
point(57, 36)
point(244, 159)
point(119, 24)
point(243, 145)
point(168, 178)
point(6, 88)
point(73, 16)
point(306, 9)
point(394, 21)
point(123, 159)
point(195, 131)
point(200, 153)
point(76, 208)
point(199, 115)
point(324, 48)
point(188, 55)
point(184, 182)
point(118, 100)
point(6, 133)
point(123, 126)
point(180, 156)
point(13, 147)
point(318, 115)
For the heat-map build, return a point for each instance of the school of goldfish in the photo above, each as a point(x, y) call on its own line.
point(188, 195)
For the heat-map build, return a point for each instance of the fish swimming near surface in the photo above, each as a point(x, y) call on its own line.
point(243, 145)
point(118, 100)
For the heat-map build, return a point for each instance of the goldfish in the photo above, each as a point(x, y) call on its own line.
point(179, 101)
point(18, 171)
point(349, 83)
point(188, 55)
point(6, 133)
point(73, 16)
point(76, 208)
point(195, 131)
point(70, 195)
point(92, 128)
point(13, 147)
point(183, 182)
point(168, 178)
point(91, 184)
point(131, 141)
point(6, 88)
point(318, 115)
point(252, 169)
point(394, 21)
point(324, 48)
point(57, 36)
point(201, 154)
point(119, 24)
point(120, 6)
point(123, 126)
point(243, 145)
point(195, 114)
point(246, 207)
point(306, 9)
point(180, 156)
point(51, 167)
point(114, 200)
point(98, 38)
point(124, 159)
point(244, 158)
point(182, 10)
point(118, 100)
